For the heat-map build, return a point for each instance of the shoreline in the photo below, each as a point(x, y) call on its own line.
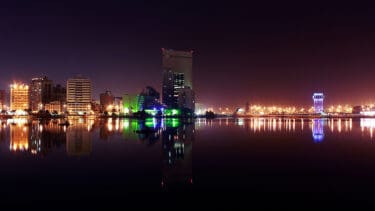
point(307, 116)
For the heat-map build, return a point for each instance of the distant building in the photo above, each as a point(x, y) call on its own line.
point(54, 106)
point(95, 106)
point(132, 103)
point(186, 99)
point(79, 95)
point(318, 99)
point(106, 101)
point(247, 108)
point(59, 94)
point(357, 110)
point(2, 99)
point(118, 105)
point(40, 92)
point(150, 99)
point(19, 97)
point(177, 74)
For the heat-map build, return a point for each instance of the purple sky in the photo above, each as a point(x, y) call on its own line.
point(268, 53)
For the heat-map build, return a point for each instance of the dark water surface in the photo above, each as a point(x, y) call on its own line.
point(258, 162)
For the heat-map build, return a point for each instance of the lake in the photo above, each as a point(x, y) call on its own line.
point(243, 162)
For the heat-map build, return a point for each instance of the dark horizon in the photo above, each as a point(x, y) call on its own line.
point(269, 53)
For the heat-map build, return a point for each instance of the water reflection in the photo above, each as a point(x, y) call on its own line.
point(78, 137)
point(318, 130)
point(174, 136)
point(177, 153)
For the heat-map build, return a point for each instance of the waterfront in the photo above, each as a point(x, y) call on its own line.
point(307, 160)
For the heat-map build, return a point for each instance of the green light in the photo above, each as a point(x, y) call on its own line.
point(129, 128)
point(173, 122)
point(132, 103)
point(150, 122)
point(151, 112)
point(172, 112)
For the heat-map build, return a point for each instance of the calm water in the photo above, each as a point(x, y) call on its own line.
point(268, 161)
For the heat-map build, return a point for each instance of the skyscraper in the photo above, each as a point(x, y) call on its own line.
point(40, 93)
point(186, 99)
point(78, 95)
point(177, 75)
point(19, 97)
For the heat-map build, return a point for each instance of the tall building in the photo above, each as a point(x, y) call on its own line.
point(177, 75)
point(106, 101)
point(19, 97)
point(2, 99)
point(59, 94)
point(318, 99)
point(40, 93)
point(186, 98)
point(78, 95)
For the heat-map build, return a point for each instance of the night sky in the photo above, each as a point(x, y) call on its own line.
point(275, 52)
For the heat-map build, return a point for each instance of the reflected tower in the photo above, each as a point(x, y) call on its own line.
point(177, 142)
point(318, 130)
point(78, 139)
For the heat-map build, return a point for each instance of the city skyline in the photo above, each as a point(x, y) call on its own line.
point(261, 54)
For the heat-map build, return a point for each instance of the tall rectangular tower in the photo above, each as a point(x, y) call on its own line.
point(40, 93)
point(318, 99)
point(177, 75)
point(78, 95)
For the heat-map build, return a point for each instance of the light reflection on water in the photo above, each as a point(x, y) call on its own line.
point(173, 140)
point(27, 136)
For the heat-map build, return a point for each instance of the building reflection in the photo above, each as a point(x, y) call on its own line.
point(367, 125)
point(78, 137)
point(177, 139)
point(46, 136)
point(19, 136)
point(318, 130)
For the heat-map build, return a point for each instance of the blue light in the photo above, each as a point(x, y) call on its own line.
point(318, 99)
point(318, 130)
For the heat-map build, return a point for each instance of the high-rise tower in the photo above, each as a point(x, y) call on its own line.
point(78, 95)
point(40, 93)
point(177, 75)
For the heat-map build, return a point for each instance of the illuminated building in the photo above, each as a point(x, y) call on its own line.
point(177, 74)
point(40, 93)
point(19, 97)
point(318, 99)
point(54, 106)
point(106, 101)
point(2, 99)
point(79, 95)
point(132, 103)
